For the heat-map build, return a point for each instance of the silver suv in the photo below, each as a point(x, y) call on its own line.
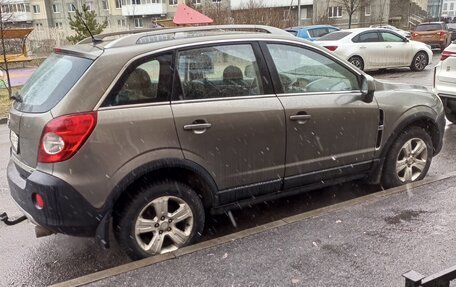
point(151, 132)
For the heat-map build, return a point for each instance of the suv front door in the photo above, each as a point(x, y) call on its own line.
point(228, 119)
point(330, 131)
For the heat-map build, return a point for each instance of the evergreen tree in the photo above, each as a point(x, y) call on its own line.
point(77, 24)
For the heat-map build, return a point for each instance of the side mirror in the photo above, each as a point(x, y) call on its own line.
point(367, 88)
point(406, 40)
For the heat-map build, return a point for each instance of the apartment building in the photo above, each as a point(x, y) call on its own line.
point(448, 8)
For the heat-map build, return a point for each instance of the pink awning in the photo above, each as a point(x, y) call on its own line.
point(186, 15)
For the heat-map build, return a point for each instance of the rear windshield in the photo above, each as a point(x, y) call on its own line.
point(334, 36)
point(428, 27)
point(50, 83)
point(293, 32)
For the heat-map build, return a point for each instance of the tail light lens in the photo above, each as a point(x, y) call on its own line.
point(63, 136)
point(446, 54)
point(414, 35)
point(331, 48)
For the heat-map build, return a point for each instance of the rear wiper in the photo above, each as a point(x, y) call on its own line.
point(17, 97)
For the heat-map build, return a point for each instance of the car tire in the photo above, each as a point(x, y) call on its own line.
point(419, 62)
point(408, 159)
point(357, 62)
point(160, 218)
point(450, 110)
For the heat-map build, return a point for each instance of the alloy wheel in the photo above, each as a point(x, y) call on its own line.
point(411, 160)
point(420, 62)
point(164, 225)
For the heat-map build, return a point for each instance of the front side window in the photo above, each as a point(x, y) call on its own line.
point(219, 71)
point(149, 81)
point(390, 37)
point(305, 71)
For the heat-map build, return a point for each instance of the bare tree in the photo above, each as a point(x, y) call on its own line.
point(351, 6)
point(4, 18)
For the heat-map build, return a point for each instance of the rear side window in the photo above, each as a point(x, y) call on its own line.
point(292, 32)
point(51, 82)
point(367, 37)
point(334, 36)
point(318, 32)
point(146, 81)
point(429, 27)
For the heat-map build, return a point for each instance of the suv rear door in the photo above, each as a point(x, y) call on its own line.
point(330, 131)
point(228, 119)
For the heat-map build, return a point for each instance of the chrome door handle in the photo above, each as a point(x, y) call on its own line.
point(362, 47)
point(389, 46)
point(198, 128)
point(300, 117)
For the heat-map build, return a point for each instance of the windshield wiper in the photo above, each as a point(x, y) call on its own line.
point(17, 97)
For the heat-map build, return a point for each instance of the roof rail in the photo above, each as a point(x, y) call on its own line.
point(100, 37)
point(158, 35)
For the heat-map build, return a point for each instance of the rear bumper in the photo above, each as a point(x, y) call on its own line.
point(65, 210)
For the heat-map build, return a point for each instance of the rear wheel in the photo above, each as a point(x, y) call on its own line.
point(161, 218)
point(357, 62)
point(408, 159)
point(419, 62)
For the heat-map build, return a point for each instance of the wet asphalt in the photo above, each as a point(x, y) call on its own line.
point(27, 261)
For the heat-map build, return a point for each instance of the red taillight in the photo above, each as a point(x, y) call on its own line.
point(414, 35)
point(331, 48)
point(63, 136)
point(446, 54)
point(38, 201)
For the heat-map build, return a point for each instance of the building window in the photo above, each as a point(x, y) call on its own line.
point(121, 23)
point(36, 9)
point(71, 7)
point(196, 2)
point(216, 1)
point(118, 4)
point(90, 5)
point(58, 25)
point(138, 22)
point(367, 10)
point(445, 7)
point(172, 2)
point(104, 5)
point(56, 8)
point(136, 2)
point(451, 6)
point(335, 12)
point(39, 26)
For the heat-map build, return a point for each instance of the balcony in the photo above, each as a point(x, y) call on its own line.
point(144, 9)
point(17, 17)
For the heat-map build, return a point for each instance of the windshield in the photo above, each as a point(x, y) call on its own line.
point(50, 83)
point(334, 36)
point(428, 27)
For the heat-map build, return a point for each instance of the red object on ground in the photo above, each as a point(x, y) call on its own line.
point(186, 16)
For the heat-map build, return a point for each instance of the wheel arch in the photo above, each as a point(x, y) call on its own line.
point(420, 119)
point(181, 170)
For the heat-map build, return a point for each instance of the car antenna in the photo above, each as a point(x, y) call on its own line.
point(94, 40)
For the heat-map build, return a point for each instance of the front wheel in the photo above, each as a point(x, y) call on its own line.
point(408, 159)
point(161, 218)
point(450, 110)
point(419, 62)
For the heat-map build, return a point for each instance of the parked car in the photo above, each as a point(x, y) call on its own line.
point(313, 32)
point(370, 49)
point(401, 32)
point(435, 34)
point(445, 81)
point(152, 132)
point(452, 29)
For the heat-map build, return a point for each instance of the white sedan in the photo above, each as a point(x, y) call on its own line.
point(445, 81)
point(370, 49)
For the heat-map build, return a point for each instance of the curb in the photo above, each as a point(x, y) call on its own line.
point(370, 198)
point(3, 121)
